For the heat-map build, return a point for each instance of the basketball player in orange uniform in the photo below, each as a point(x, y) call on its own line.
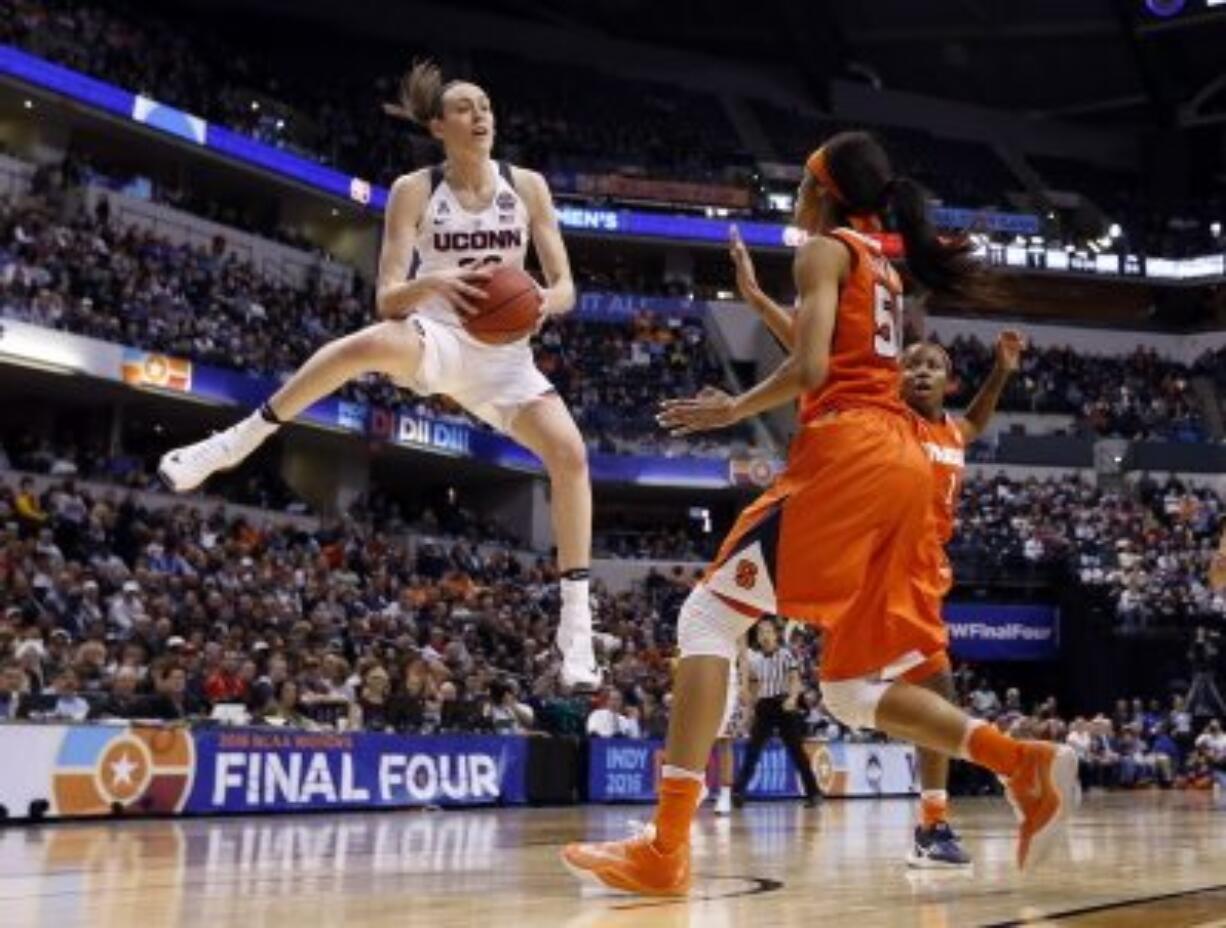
point(837, 540)
point(926, 372)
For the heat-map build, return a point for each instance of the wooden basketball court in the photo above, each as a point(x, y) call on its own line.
point(1133, 859)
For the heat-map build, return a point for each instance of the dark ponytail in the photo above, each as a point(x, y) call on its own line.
point(942, 264)
point(867, 185)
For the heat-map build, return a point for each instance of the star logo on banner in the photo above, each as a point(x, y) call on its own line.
point(121, 770)
point(125, 770)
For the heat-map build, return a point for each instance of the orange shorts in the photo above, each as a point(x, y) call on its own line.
point(836, 541)
point(933, 579)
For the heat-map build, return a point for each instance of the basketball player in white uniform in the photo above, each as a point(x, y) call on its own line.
point(455, 222)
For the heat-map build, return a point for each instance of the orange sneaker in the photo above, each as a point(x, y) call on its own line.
point(1043, 792)
point(633, 865)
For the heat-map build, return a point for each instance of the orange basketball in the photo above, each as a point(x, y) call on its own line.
point(510, 310)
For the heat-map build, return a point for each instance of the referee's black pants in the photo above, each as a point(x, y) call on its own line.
point(769, 718)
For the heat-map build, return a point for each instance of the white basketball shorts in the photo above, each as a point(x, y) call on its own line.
point(492, 382)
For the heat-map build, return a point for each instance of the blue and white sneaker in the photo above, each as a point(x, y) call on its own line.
point(937, 848)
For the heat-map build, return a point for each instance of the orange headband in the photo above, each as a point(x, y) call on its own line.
point(820, 170)
point(816, 165)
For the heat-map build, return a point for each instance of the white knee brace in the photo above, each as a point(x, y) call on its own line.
point(708, 626)
point(854, 702)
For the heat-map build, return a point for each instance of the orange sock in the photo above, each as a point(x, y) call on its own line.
point(991, 748)
point(678, 802)
point(934, 807)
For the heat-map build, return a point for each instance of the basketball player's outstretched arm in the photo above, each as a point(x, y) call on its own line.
point(396, 296)
point(779, 320)
point(559, 290)
point(821, 264)
point(1009, 347)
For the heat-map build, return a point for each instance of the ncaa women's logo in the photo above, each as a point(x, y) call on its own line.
point(100, 770)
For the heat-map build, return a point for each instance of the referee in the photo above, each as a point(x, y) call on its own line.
point(774, 685)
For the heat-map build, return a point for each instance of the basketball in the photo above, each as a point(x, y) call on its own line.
point(510, 310)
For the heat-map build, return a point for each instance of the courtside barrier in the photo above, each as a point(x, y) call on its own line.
point(627, 770)
point(75, 771)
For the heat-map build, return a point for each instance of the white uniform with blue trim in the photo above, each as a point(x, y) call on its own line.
point(493, 382)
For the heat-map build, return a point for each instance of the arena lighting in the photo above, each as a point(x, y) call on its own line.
point(1165, 7)
point(1215, 228)
point(1114, 230)
point(28, 104)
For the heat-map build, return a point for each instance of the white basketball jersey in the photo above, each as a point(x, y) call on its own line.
point(451, 236)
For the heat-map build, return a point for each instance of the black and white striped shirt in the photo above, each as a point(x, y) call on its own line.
point(771, 671)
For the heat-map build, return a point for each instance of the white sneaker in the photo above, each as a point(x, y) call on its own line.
point(579, 668)
point(723, 804)
point(184, 469)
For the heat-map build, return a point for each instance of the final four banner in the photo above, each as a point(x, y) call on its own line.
point(623, 770)
point(270, 771)
point(991, 632)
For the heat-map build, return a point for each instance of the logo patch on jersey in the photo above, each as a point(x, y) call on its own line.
point(441, 213)
point(503, 239)
point(939, 454)
point(745, 578)
point(746, 574)
point(506, 200)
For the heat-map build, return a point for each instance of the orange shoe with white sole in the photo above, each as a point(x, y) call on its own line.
point(1043, 792)
point(633, 865)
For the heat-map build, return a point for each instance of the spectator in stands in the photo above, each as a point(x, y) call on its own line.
point(375, 709)
point(68, 704)
point(29, 508)
point(12, 687)
point(1212, 743)
point(127, 608)
point(225, 684)
point(984, 703)
point(1180, 721)
point(506, 714)
point(123, 701)
point(285, 710)
point(610, 720)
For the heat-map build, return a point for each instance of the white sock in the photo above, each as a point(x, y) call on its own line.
point(255, 428)
point(934, 795)
point(669, 772)
point(725, 792)
point(576, 605)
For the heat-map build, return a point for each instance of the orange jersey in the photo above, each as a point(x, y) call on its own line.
point(864, 369)
point(946, 450)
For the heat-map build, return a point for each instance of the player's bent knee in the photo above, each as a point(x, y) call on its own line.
point(709, 627)
point(854, 702)
point(570, 456)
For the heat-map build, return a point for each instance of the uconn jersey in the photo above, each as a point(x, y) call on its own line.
point(493, 382)
point(451, 236)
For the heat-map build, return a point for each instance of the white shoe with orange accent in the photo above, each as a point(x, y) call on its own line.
point(634, 865)
point(1043, 792)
